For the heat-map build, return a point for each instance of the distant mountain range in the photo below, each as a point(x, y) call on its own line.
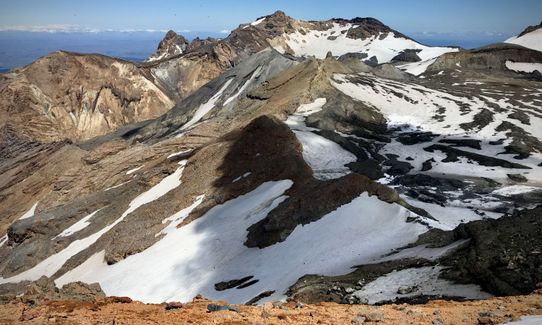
point(21, 48)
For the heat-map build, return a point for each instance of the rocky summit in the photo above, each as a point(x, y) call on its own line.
point(309, 161)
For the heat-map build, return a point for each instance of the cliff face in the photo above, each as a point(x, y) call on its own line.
point(71, 96)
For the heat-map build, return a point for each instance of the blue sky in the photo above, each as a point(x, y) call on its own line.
point(409, 16)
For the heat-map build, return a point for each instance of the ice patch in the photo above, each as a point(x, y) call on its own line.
point(422, 281)
point(191, 259)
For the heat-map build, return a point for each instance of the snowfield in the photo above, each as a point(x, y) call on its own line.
point(412, 107)
point(524, 66)
point(319, 43)
point(191, 259)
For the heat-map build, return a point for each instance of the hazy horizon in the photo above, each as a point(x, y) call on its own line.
point(21, 48)
point(30, 29)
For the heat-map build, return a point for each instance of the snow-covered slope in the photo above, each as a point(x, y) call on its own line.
point(336, 39)
point(532, 40)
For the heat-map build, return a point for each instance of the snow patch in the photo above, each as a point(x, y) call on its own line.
point(3, 240)
point(524, 66)
point(178, 217)
point(179, 153)
point(311, 108)
point(515, 189)
point(241, 177)
point(131, 171)
point(254, 75)
point(116, 186)
point(422, 281)
point(206, 107)
point(257, 22)
point(417, 68)
point(29, 213)
point(78, 226)
point(318, 43)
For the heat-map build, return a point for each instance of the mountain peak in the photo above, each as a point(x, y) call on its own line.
point(172, 44)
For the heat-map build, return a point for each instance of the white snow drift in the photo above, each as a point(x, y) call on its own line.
point(191, 259)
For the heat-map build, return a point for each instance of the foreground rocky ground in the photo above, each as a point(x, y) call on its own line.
point(122, 310)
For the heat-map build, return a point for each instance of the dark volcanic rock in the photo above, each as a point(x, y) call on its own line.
point(504, 256)
point(397, 167)
point(517, 178)
point(221, 286)
point(453, 153)
point(408, 55)
point(470, 143)
point(428, 164)
point(369, 167)
point(416, 180)
point(416, 137)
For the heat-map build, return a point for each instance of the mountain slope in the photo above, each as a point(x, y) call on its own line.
point(172, 44)
point(71, 96)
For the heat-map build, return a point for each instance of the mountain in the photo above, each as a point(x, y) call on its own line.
point(172, 44)
point(278, 169)
point(70, 96)
point(531, 38)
